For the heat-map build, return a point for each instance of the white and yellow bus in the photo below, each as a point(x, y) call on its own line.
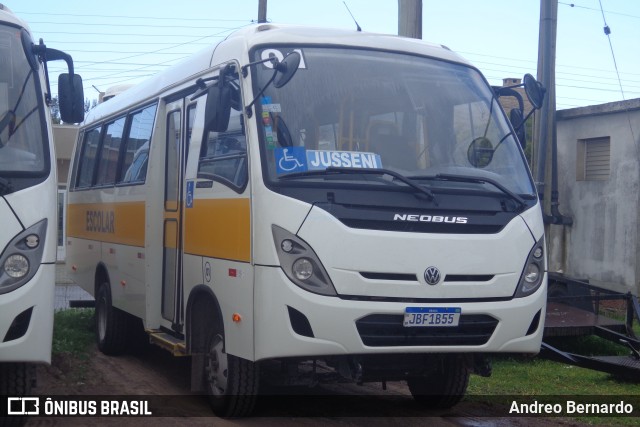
point(28, 199)
point(297, 194)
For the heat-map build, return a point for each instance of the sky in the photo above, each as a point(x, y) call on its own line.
point(123, 42)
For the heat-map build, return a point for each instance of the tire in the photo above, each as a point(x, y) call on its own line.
point(16, 380)
point(443, 388)
point(231, 382)
point(111, 323)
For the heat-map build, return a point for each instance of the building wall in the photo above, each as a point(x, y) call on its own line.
point(64, 138)
point(602, 245)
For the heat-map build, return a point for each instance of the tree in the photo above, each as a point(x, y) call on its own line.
point(54, 107)
point(55, 110)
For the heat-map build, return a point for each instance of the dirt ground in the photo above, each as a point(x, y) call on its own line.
point(164, 380)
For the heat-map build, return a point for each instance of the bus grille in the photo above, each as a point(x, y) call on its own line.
point(386, 330)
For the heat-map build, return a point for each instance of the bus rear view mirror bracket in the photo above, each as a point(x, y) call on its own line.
point(283, 71)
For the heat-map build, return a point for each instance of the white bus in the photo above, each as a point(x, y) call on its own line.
point(28, 199)
point(302, 194)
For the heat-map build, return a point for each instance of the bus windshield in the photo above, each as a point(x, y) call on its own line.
point(23, 145)
point(419, 117)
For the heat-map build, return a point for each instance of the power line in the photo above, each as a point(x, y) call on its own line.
point(129, 17)
point(598, 10)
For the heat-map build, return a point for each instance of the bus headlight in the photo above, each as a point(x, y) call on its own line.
point(302, 268)
point(21, 258)
point(16, 266)
point(300, 263)
point(533, 272)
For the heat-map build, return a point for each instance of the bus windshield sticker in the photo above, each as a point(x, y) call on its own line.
point(268, 106)
point(290, 159)
point(320, 160)
point(271, 136)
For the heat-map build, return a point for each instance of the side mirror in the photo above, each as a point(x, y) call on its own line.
point(534, 90)
point(517, 121)
point(286, 69)
point(71, 98)
point(218, 107)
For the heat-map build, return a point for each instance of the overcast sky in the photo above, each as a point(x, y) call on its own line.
point(116, 42)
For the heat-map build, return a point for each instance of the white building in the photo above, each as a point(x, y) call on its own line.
point(599, 181)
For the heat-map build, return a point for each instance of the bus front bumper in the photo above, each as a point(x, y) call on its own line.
point(291, 322)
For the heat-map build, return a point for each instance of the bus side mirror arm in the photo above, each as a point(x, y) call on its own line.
point(70, 90)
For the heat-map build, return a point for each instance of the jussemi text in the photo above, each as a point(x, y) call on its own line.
point(571, 407)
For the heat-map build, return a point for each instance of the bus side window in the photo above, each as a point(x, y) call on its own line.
point(223, 155)
point(136, 154)
point(108, 164)
point(87, 161)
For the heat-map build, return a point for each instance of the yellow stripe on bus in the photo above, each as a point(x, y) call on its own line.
point(122, 223)
point(219, 228)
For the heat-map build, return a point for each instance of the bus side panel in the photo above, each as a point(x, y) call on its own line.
point(218, 228)
point(232, 284)
point(112, 235)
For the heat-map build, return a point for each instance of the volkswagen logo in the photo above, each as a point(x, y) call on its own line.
point(432, 275)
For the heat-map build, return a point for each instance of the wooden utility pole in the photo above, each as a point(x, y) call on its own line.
point(262, 11)
point(410, 18)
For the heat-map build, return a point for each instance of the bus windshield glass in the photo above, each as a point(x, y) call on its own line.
point(23, 146)
point(419, 117)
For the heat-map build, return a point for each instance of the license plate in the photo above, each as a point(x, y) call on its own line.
point(431, 316)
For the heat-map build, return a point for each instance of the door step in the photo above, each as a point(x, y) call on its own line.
point(170, 343)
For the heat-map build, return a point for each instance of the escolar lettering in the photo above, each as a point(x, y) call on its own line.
point(101, 221)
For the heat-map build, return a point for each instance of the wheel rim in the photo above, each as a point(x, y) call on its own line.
point(216, 367)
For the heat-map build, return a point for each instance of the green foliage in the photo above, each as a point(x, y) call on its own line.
point(73, 332)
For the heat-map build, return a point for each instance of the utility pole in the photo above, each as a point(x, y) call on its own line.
point(262, 11)
point(410, 18)
point(545, 132)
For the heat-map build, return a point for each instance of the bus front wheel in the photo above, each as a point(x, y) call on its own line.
point(443, 388)
point(16, 379)
point(231, 382)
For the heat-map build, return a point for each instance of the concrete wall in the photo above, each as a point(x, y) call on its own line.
point(64, 138)
point(603, 244)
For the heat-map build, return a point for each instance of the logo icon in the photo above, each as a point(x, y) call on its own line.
point(432, 275)
point(23, 406)
point(291, 159)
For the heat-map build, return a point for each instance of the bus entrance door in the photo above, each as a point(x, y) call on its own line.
point(172, 224)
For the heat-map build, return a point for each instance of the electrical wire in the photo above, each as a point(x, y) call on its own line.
point(607, 32)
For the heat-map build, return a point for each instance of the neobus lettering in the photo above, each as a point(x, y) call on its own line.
point(430, 218)
point(101, 221)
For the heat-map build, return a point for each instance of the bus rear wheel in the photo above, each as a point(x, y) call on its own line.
point(444, 387)
point(111, 323)
point(231, 382)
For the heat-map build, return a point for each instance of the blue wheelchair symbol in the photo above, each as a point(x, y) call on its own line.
point(291, 159)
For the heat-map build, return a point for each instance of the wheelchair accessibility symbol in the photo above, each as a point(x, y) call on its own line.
point(291, 159)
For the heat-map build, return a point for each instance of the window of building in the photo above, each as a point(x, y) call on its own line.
point(593, 161)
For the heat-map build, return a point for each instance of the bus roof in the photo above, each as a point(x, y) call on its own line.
point(237, 45)
point(6, 15)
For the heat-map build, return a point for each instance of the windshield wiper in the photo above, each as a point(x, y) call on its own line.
point(480, 180)
point(363, 171)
